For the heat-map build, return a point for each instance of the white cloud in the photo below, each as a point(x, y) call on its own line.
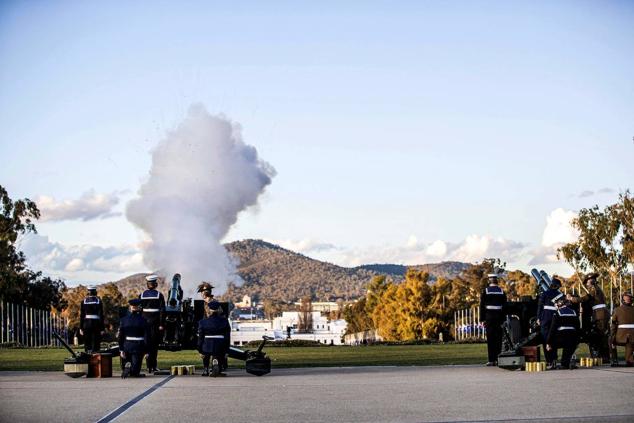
point(586, 193)
point(437, 249)
point(557, 232)
point(70, 260)
point(305, 246)
point(477, 247)
point(559, 228)
point(474, 248)
point(590, 193)
point(89, 206)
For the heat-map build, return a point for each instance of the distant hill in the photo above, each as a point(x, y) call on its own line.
point(275, 273)
point(136, 283)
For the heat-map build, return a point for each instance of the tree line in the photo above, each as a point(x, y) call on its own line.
point(407, 310)
point(20, 284)
point(415, 309)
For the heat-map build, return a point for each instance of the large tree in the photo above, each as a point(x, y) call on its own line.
point(16, 218)
point(18, 283)
point(606, 240)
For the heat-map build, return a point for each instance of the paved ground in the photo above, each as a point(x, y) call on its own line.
point(360, 394)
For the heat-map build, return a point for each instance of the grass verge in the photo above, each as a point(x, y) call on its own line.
point(335, 356)
point(52, 359)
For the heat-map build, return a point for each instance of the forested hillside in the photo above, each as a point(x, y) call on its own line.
point(274, 273)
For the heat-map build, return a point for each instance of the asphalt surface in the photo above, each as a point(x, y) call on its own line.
point(359, 394)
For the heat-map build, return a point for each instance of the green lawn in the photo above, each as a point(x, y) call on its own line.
point(402, 355)
point(405, 355)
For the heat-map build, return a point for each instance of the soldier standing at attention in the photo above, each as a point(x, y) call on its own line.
point(546, 308)
point(91, 321)
point(492, 301)
point(563, 333)
point(133, 336)
point(213, 340)
point(597, 334)
point(153, 304)
point(623, 329)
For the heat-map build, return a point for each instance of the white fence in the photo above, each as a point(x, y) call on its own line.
point(27, 327)
point(467, 325)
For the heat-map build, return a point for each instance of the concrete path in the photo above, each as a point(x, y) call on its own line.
point(359, 394)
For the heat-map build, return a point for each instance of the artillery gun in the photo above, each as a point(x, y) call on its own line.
point(521, 330)
point(181, 329)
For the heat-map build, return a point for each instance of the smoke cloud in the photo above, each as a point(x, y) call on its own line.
point(202, 176)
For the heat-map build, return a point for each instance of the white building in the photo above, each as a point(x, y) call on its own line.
point(323, 330)
point(322, 306)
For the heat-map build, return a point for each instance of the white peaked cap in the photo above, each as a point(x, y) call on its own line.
point(91, 287)
point(493, 275)
point(151, 278)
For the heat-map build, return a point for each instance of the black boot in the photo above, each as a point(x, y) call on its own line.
point(205, 371)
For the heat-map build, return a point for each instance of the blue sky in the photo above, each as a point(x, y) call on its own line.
point(400, 131)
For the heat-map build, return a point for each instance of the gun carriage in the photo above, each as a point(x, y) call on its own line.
point(181, 329)
point(521, 330)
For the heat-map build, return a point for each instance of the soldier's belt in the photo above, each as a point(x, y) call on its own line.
point(494, 307)
point(553, 308)
point(626, 326)
point(598, 306)
point(151, 310)
point(566, 328)
point(134, 338)
point(215, 336)
point(92, 316)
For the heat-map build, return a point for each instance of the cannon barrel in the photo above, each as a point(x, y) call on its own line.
point(545, 277)
point(541, 283)
point(175, 295)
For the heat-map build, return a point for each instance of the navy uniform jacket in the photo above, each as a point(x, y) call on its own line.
point(153, 304)
point(492, 301)
point(214, 335)
point(133, 334)
point(546, 306)
point(91, 314)
point(564, 329)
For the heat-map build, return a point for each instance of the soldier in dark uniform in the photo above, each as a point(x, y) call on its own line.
point(564, 333)
point(213, 340)
point(492, 301)
point(596, 328)
point(91, 321)
point(545, 309)
point(153, 304)
point(133, 337)
point(623, 329)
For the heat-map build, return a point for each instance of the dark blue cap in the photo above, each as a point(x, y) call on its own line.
point(214, 305)
point(135, 302)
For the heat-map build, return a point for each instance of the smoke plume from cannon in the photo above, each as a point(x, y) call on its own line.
point(202, 175)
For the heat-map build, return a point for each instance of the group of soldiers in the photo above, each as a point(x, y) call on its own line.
point(141, 331)
point(560, 325)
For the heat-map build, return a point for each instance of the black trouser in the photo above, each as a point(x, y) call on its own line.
point(136, 361)
point(92, 339)
point(598, 341)
point(206, 359)
point(152, 348)
point(550, 356)
point(494, 338)
point(568, 344)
